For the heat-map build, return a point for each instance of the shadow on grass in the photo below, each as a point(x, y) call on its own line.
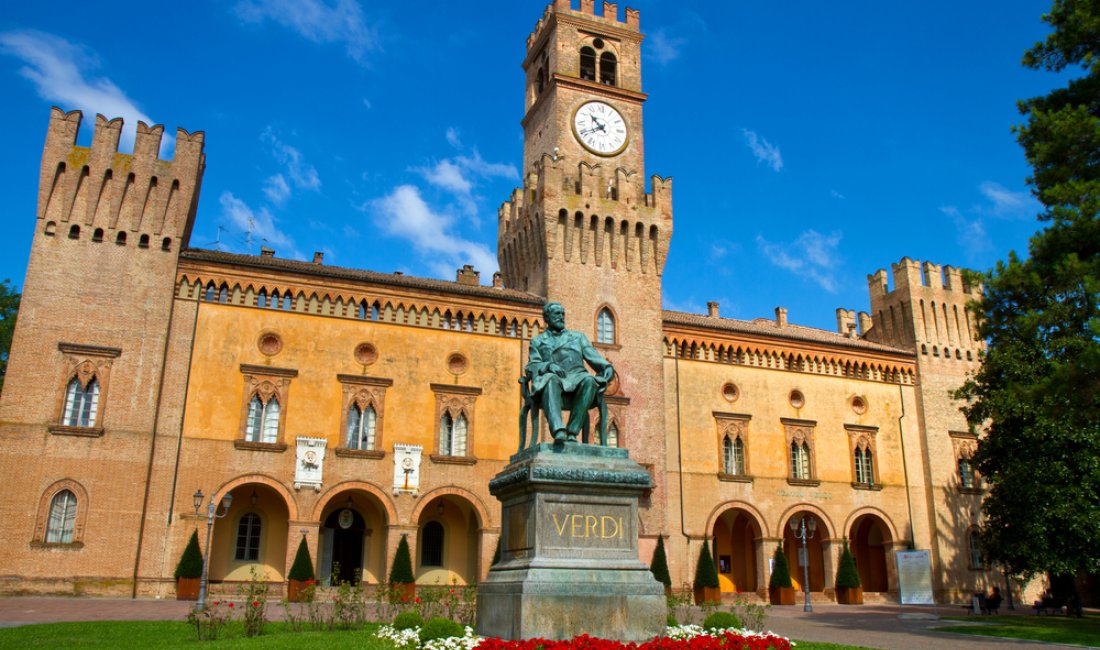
point(1049, 629)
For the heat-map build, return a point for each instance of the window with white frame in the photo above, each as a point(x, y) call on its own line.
point(454, 412)
point(361, 425)
point(62, 518)
point(248, 538)
point(263, 420)
point(81, 402)
point(800, 450)
point(452, 434)
point(800, 461)
point(974, 546)
point(605, 327)
point(865, 473)
point(733, 455)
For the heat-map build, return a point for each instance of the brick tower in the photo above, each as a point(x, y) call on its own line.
point(96, 308)
point(583, 230)
point(926, 313)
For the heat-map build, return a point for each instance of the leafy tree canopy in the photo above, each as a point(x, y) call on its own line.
point(9, 307)
point(1037, 393)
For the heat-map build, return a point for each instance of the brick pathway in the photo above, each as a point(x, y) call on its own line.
point(889, 627)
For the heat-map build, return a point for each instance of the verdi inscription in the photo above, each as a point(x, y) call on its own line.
point(586, 526)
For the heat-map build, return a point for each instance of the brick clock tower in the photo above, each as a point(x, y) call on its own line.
point(583, 230)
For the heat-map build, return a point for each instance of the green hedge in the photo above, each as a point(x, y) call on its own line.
point(190, 565)
point(781, 573)
point(402, 569)
point(846, 574)
point(705, 575)
point(659, 565)
point(302, 569)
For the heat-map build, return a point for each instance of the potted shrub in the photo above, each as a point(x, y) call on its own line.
point(402, 581)
point(659, 566)
point(706, 579)
point(300, 577)
point(189, 570)
point(780, 589)
point(849, 590)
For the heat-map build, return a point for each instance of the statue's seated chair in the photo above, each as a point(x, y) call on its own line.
point(532, 408)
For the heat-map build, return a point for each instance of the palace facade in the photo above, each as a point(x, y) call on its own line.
point(352, 407)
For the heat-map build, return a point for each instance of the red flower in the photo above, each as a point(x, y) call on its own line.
point(255, 603)
point(404, 599)
point(217, 602)
point(230, 604)
point(417, 600)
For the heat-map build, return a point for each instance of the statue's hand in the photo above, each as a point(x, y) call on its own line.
point(555, 369)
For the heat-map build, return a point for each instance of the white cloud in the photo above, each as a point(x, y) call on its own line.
point(459, 176)
point(664, 48)
point(812, 254)
point(452, 137)
point(1005, 202)
point(764, 151)
point(58, 70)
point(302, 175)
point(970, 232)
point(276, 189)
point(836, 195)
point(340, 21)
point(366, 102)
point(260, 223)
point(403, 213)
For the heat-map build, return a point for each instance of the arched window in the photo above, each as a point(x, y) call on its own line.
point(223, 294)
point(166, 244)
point(588, 63)
point(59, 527)
point(431, 544)
point(120, 239)
point(261, 298)
point(800, 461)
point(81, 403)
point(286, 302)
point(97, 235)
point(605, 327)
point(733, 455)
point(452, 435)
point(361, 314)
point(211, 292)
point(612, 435)
point(74, 231)
point(143, 241)
point(974, 546)
point(540, 81)
point(865, 473)
point(361, 423)
point(263, 420)
point(607, 68)
point(248, 538)
point(966, 473)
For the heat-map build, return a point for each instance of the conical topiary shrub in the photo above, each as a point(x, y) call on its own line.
point(780, 590)
point(849, 589)
point(401, 573)
point(706, 578)
point(659, 565)
point(188, 572)
point(190, 564)
point(300, 575)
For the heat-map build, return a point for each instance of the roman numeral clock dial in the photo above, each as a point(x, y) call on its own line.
point(600, 128)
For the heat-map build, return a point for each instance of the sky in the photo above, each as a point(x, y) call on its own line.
point(811, 143)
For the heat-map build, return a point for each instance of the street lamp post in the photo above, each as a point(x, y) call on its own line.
point(211, 515)
point(803, 529)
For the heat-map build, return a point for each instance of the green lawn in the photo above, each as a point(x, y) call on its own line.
point(164, 635)
point(1050, 629)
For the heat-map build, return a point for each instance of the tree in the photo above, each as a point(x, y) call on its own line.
point(705, 574)
point(9, 308)
point(190, 564)
point(658, 566)
point(846, 574)
point(781, 572)
point(1037, 393)
point(402, 571)
point(302, 569)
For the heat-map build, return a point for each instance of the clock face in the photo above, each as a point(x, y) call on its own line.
point(407, 463)
point(600, 128)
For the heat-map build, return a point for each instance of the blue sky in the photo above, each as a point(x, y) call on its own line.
point(810, 143)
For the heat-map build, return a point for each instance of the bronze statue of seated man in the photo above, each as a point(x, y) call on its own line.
point(559, 378)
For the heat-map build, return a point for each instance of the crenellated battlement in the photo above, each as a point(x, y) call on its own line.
point(925, 311)
point(564, 211)
point(111, 192)
point(610, 16)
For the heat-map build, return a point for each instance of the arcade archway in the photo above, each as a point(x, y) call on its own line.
point(352, 539)
point(815, 552)
point(869, 541)
point(736, 538)
point(447, 543)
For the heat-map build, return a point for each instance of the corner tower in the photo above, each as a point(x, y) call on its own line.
point(583, 230)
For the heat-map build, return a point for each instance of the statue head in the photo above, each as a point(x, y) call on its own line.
point(553, 314)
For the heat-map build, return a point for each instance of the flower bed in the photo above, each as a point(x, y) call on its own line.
point(684, 637)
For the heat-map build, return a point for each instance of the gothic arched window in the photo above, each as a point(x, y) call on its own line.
point(865, 473)
point(733, 455)
point(966, 473)
point(605, 327)
point(361, 425)
point(248, 538)
point(800, 460)
point(81, 403)
point(452, 435)
point(974, 546)
point(588, 63)
point(607, 68)
point(263, 420)
point(59, 526)
point(612, 435)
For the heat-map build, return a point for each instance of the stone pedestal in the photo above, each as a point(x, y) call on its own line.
point(569, 549)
